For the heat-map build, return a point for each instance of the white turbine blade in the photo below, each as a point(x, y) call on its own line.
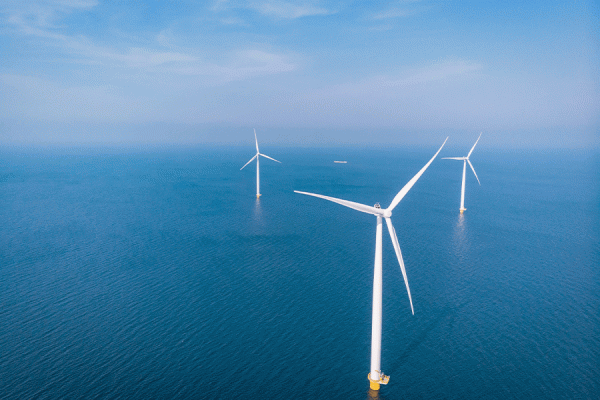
point(410, 183)
point(400, 260)
point(474, 171)
point(269, 158)
point(350, 204)
point(256, 141)
point(249, 162)
point(453, 158)
point(469, 155)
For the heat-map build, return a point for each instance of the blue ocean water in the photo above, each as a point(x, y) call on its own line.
point(156, 274)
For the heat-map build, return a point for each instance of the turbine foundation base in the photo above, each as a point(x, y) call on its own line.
point(258, 196)
point(376, 384)
point(463, 210)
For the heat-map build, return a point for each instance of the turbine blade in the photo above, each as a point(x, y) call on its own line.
point(469, 155)
point(269, 158)
point(410, 183)
point(249, 162)
point(256, 141)
point(350, 204)
point(453, 158)
point(400, 260)
point(471, 165)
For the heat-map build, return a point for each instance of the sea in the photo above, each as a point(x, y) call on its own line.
point(156, 273)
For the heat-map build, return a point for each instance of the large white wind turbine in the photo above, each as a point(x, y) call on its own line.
point(465, 161)
point(257, 167)
point(376, 376)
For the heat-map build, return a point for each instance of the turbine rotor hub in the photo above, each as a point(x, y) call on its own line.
point(384, 213)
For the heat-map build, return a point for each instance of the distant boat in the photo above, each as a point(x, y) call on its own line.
point(340, 162)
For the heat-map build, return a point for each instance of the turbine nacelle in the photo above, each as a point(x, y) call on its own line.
point(385, 213)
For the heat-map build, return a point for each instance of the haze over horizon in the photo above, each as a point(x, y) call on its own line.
point(310, 72)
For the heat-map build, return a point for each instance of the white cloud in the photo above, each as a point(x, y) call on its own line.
point(217, 67)
point(76, 3)
point(165, 38)
point(42, 18)
point(34, 28)
point(142, 57)
point(405, 9)
point(393, 13)
point(286, 10)
point(240, 65)
point(220, 5)
point(273, 8)
point(258, 62)
point(41, 14)
point(437, 72)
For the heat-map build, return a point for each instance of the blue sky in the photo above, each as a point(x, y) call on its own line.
point(301, 72)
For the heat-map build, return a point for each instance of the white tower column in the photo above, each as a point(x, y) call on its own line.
point(462, 190)
point(377, 311)
point(257, 176)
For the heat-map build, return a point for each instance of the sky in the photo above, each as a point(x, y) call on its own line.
point(525, 73)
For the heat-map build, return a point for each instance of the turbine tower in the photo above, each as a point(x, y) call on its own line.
point(257, 165)
point(465, 161)
point(376, 376)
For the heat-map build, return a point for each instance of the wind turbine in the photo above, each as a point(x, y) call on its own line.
point(257, 162)
point(465, 161)
point(376, 376)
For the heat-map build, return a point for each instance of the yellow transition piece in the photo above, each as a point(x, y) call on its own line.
point(383, 380)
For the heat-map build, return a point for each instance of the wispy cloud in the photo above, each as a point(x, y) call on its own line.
point(42, 14)
point(437, 72)
point(144, 57)
point(220, 5)
point(166, 38)
point(81, 4)
point(276, 9)
point(393, 13)
point(221, 65)
point(240, 65)
point(262, 62)
point(402, 9)
point(287, 10)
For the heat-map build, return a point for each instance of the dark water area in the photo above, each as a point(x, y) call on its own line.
point(156, 274)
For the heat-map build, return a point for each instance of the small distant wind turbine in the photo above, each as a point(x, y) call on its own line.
point(376, 376)
point(465, 161)
point(257, 162)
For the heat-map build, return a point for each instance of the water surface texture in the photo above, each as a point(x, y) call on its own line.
point(156, 274)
